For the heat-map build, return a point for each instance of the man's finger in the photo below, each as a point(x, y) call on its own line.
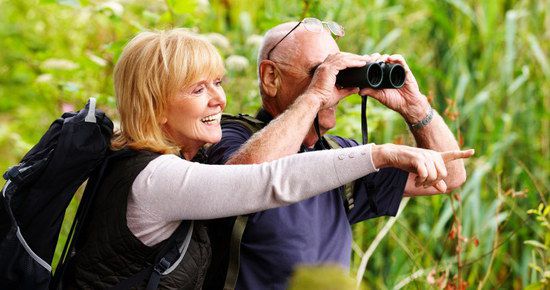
point(366, 91)
point(344, 92)
point(375, 94)
point(453, 155)
point(351, 63)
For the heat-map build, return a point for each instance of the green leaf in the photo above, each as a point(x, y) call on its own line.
point(72, 3)
point(535, 286)
point(183, 6)
point(328, 277)
point(536, 244)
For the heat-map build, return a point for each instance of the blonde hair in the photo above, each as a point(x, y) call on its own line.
point(151, 69)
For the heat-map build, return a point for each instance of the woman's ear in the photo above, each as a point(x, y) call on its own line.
point(269, 78)
point(163, 120)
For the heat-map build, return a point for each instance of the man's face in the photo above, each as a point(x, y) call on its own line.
point(311, 49)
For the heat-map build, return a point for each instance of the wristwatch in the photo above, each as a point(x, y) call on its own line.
point(424, 122)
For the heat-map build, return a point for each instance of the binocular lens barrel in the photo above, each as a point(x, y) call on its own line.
point(377, 75)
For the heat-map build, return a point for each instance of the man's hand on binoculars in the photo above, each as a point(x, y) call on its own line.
point(407, 100)
point(324, 78)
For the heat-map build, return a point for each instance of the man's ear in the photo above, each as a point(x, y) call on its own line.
point(269, 78)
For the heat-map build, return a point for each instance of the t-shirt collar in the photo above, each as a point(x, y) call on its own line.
point(266, 117)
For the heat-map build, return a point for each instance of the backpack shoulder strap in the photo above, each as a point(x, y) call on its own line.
point(349, 188)
point(171, 254)
point(253, 125)
point(169, 257)
point(235, 252)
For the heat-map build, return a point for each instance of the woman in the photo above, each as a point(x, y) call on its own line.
point(170, 100)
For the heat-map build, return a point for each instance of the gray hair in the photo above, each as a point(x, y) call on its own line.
point(271, 38)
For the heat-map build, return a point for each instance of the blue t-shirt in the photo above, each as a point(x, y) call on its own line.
point(313, 231)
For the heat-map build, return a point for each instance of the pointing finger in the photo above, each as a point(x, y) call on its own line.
point(453, 155)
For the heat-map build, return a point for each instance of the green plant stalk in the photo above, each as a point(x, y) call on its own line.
point(495, 240)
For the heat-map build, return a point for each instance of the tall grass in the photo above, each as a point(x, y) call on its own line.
point(484, 66)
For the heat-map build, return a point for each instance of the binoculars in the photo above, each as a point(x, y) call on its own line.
point(376, 75)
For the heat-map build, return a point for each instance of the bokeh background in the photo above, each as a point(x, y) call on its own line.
point(483, 64)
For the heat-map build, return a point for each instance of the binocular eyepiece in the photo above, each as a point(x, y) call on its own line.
point(376, 75)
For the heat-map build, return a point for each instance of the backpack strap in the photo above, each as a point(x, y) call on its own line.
point(349, 188)
point(166, 260)
point(235, 252)
point(253, 125)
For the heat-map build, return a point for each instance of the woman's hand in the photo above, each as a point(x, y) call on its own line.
point(428, 165)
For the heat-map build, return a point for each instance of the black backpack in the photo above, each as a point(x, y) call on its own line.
point(38, 190)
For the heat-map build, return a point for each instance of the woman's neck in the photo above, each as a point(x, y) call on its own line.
point(189, 154)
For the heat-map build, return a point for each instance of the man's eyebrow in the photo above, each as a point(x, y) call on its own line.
point(313, 69)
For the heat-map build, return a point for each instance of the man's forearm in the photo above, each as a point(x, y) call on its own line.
point(282, 136)
point(434, 134)
point(438, 137)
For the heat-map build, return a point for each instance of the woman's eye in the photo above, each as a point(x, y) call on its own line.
point(218, 82)
point(198, 90)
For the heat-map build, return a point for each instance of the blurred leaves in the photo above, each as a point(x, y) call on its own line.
point(325, 277)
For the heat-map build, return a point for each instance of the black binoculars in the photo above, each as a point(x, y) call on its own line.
point(376, 75)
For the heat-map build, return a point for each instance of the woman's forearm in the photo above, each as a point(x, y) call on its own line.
point(170, 188)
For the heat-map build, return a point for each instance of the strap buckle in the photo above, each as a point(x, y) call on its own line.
point(12, 172)
point(162, 266)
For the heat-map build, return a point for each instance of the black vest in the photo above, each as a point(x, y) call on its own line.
point(108, 251)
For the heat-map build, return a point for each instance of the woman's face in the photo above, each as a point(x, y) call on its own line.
point(193, 115)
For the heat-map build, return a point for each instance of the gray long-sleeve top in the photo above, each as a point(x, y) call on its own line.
point(171, 189)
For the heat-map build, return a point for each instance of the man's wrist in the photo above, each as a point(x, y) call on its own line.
point(414, 113)
point(312, 101)
point(424, 122)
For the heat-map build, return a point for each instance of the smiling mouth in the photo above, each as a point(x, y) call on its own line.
point(212, 119)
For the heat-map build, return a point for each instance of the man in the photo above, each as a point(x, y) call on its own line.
point(297, 65)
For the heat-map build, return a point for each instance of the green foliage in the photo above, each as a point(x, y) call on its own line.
point(484, 64)
point(325, 277)
point(540, 249)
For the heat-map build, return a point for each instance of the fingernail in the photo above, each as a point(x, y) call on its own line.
point(442, 186)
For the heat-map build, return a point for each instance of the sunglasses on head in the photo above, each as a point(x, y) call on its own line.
point(313, 25)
